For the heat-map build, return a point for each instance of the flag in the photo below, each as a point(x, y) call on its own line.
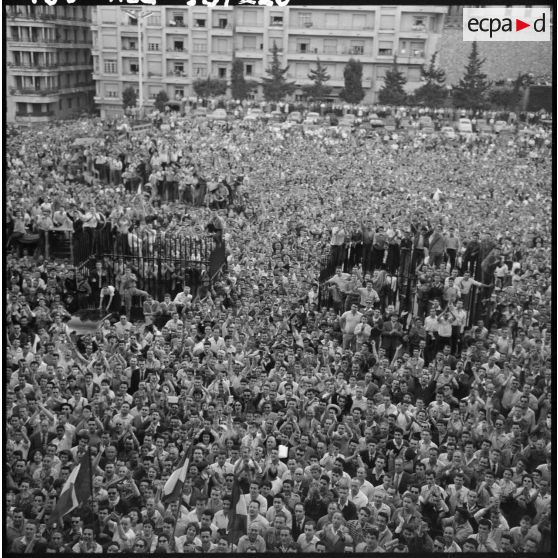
point(173, 487)
point(239, 513)
point(76, 490)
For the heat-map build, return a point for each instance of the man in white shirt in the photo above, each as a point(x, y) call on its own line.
point(356, 496)
point(348, 322)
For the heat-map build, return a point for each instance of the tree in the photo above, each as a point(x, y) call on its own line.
point(205, 88)
point(318, 90)
point(471, 91)
point(240, 87)
point(352, 92)
point(276, 86)
point(161, 100)
point(129, 97)
point(433, 93)
point(507, 97)
point(393, 92)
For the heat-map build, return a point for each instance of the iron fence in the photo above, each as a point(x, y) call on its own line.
point(403, 285)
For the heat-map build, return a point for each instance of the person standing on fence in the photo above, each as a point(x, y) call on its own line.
point(437, 247)
point(452, 247)
point(379, 246)
point(90, 222)
point(337, 243)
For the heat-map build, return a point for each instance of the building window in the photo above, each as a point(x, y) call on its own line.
point(153, 46)
point(330, 46)
point(178, 19)
point(419, 23)
point(178, 92)
point(303, 47)
point(69, 103)
point(110, 67)
point(134, 67)
point(276, 20)
point(220, 45)
point(200, 46)
point(179, 46)
point(359, 21)
point(385, 48)
point(332, 21)
point(357, 47)
point(250, 17)
point(417, 49)
point(200, 70)
point(249, 42)
point(200, 23)
point(222, 73)
point(178, 68)
point(305, 19)
point(223, 22)
point(154, 19)
point(387, 22)
point(248, 69)
point(132, 20)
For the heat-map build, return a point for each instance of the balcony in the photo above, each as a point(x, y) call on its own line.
point(313, 52)
point(175, 23)
point(18, 66)
point(33, 91)
point(34, 114)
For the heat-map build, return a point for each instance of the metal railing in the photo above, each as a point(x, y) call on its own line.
point(161, 262)
point(351, 254)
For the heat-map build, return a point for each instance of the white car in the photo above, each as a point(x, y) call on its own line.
point(448, 132)
point(499, 125)
point(464, 126)
point(218, 114)
point(312, 118)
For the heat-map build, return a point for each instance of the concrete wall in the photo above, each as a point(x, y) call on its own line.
point(503, 59)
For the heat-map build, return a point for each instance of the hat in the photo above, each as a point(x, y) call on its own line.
point(333, 406)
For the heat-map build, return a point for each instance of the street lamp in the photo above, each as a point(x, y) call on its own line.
point(139, 16)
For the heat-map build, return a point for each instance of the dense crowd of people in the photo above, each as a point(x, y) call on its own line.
point(359, 425)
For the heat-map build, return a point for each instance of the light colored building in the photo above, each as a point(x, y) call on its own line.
point(181, 45)
point(48, 56)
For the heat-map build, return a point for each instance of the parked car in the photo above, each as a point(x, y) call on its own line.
point(295, 117)
point(425, 122)
point(254, 114)
point(277, 116)
point(448, 132)
point(499, 125)
point(484, 128)
point(312, 118)
point(347, 121)
point(218, 114)
point(464, 126)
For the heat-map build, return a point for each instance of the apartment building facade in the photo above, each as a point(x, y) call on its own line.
point(48, 62)
point(182, 45)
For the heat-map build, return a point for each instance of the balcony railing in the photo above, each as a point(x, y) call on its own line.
point(343, 52)
point(39, 67)
point(34, 114)
point(171, 49)
point(217, 26)
point(176, 73)
point(174, 23)
point(34, 91)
